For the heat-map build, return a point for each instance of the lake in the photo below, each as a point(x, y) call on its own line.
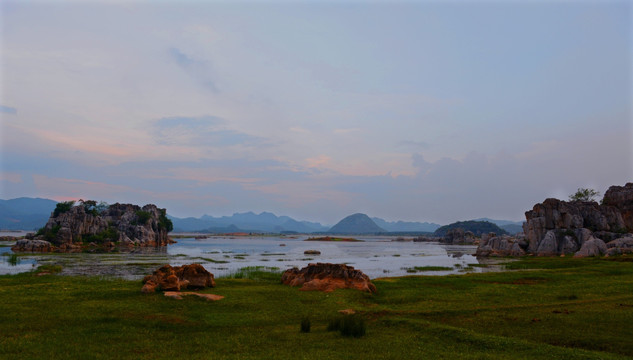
point(376, 256)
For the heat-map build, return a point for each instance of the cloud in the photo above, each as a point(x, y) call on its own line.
point(346, 131)
point(415, 144)
point(8, 110)
point(11, 177)
point(318, 162)
point(199, 70)
point(206, 131)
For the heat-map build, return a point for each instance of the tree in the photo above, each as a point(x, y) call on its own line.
point(584, 195)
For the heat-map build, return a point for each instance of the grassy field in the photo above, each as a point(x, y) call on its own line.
point(550, 309)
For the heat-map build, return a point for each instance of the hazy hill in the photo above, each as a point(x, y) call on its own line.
point(356, 224)
point(477, 227)
point(512, 227)
point(246, 222)
point(405, 226)
point(25, 213)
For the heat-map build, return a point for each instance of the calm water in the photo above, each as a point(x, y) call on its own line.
point(376, 257)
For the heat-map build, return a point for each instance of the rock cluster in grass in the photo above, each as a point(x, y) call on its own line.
point(80, 226)
point(580, 228)
point(328, 277)
point(504, 245)
point(176, 278)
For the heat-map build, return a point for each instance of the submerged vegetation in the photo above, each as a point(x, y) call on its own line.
point(559, 308)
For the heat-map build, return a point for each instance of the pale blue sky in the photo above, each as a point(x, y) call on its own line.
point(417, 110)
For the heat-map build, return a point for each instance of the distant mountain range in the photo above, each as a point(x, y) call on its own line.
point(33, 213)
point(246, 222)
point(25, 213)
point(405, 226)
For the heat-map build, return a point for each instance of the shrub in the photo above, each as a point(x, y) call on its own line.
point(142, 217)
point(163, 221)
point(583, 194)
point(305, 325)
point(110, 234)
point(63, 207)
point(49, 234)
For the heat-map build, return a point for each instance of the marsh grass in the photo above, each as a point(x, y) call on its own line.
point(259, 273)
point(553, 310)
point(427, 268)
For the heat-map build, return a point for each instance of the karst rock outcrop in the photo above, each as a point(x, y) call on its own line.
point(176, 278)
point(504, 245)
point(328, 277)
point(458, 236)
point(81, 225)
point(580, 228)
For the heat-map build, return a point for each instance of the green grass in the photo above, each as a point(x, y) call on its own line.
point(558, 309)
point(427, 268)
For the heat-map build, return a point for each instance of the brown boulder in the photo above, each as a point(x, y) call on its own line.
point(328, 277)
point(169, 278)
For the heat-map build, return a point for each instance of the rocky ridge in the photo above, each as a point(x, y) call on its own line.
point(73, 227)
point(580, 228)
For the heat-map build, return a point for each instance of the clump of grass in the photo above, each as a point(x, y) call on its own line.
point(427, 268)
point(51, 269)
point(13, 259)
point(478, 265)
point(348, 325)
point(268, 273)
point(305, 325)
point(568, 297)
point(211, 260)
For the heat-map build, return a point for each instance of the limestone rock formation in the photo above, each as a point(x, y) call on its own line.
point(328, 277)
point(557, 227)
point(458, 236)
point(592, 247)
point(621, 197)
point(504, 245)
point(620, 246)
point(73, 226)
point(168, 278)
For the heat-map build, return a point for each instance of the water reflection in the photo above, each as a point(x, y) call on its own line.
point(376, 257)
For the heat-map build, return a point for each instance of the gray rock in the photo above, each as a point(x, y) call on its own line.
point(492, 245)
point(620, 246)
point(592, 247)
point(549, 245)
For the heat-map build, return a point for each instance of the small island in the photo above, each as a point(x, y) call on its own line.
point(330, 238)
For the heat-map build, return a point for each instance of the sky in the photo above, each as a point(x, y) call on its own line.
point(407, 110)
